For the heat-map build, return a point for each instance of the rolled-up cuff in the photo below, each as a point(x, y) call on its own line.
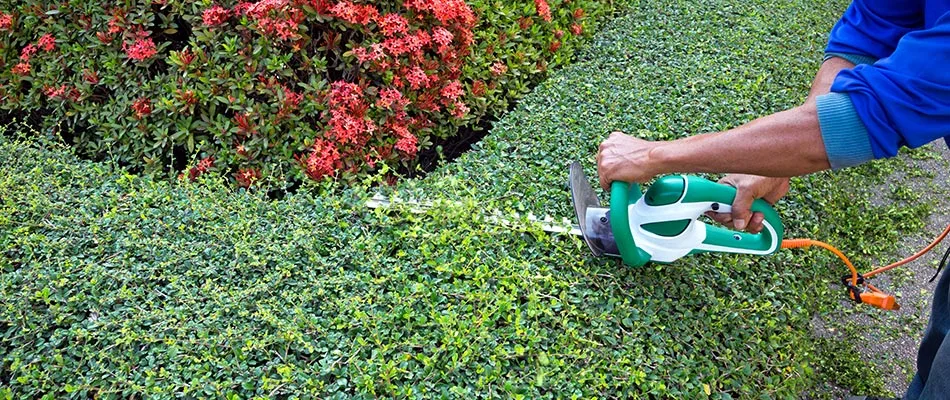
point(846, 139)
point(856, 59)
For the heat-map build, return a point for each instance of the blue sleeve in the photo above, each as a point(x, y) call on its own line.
point(901, 100)
point(872, 28)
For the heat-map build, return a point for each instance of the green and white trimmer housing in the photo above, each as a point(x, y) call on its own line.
point(663, 224)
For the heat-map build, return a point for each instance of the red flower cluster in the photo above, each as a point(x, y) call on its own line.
point(27, 52)
point(141, 49)
point(21, 69)
point(290, 103)
point(577, 29)
point(417, 78)
point(393, 24)
point(277, 18)
point(498, 68)
point(6, 21)
point(448, 12)
point(348, 122)
point(374, 53)
point(203, 166)
point(391, 99)
point(47, 42)
point(554, 46)
point(543, 9)
point(459, 110)
point(61, 92)
point(142, 107)
point(452, 91)
point(354, 13)
point(323, 160)
point(215, 15)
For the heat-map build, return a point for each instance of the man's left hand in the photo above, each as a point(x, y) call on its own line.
point(625, 158)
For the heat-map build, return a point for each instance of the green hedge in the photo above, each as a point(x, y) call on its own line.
point(114, 285)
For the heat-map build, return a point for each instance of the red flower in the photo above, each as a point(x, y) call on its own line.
point(142, 107)
point(115, 23)
point(323, 160)
point(577, 29)
point(28, 52)
point(346, 95)
point(375, 53)
point(54, 92)
point(6, 21)
point(215, 15)
point(262, 8)
point(242, 7)
point(417, 78)
point(142, 49)
point(22, 69)
point(453, 90)
point(543, 9)
point(498, 68)
point(555, 45)
point(406, 142)
point(247, 176)
point(355, 14)
point(446, 11)
point(579, 13)
point(291, 99)
point(442, 36)
point(396, 46)
point(286, 29)
point(203, 166)
point(47, 42)
point(391, 97)
point(459, 110)
point(558, 34)
point(393, 23)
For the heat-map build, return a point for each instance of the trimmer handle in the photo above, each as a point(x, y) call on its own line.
point(662, 224)
point(701, 190)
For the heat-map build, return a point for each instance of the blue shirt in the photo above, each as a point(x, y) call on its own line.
point(899, 95)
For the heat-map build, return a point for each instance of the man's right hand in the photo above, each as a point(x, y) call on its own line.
point(749, 188)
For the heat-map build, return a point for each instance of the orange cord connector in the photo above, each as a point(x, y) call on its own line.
point(870, 295)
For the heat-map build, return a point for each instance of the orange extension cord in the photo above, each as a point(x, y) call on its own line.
point(872, 295)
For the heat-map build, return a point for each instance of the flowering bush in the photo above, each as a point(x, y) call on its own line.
point(276, 90)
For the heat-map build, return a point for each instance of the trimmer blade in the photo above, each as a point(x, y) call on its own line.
point(583, 197)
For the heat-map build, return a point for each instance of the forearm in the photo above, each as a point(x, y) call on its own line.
point(783, 144)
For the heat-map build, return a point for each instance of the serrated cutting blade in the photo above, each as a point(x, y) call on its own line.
point(583, 197)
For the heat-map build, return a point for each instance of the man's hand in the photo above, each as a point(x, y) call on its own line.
point(625, 158)
point(749, 188)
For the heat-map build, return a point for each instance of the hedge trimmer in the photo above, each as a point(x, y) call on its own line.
point(662, 225)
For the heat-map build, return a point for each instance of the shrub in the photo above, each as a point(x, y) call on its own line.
point(276, 90)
